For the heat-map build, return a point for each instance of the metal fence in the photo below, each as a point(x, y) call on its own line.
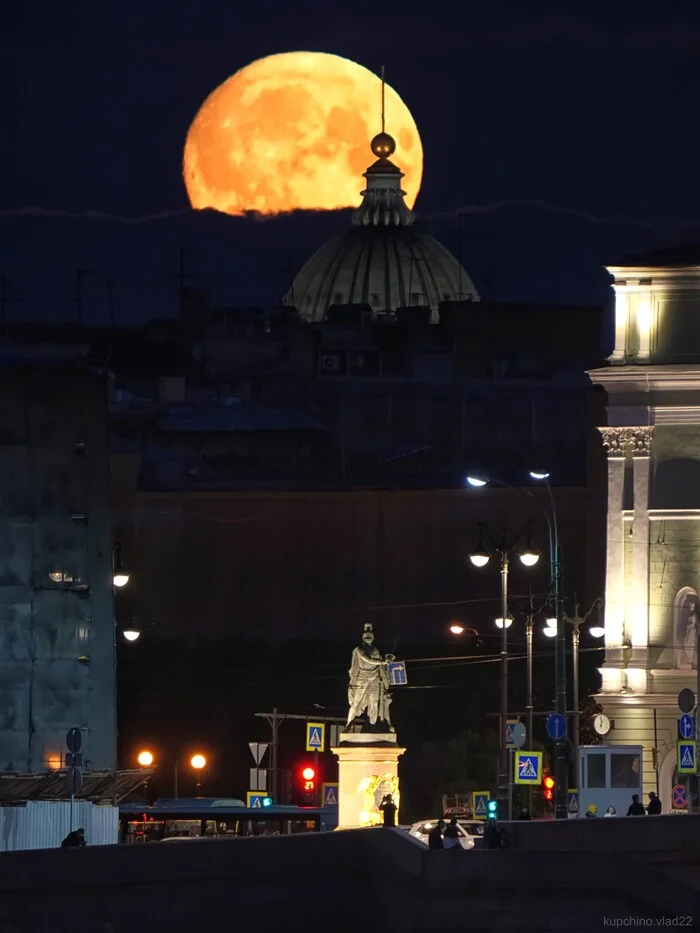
point(43, 824)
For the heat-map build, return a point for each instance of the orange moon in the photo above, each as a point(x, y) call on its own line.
point(292, 132)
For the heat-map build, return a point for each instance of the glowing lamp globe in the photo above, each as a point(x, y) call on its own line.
point(499, 623)
point(121, 578)
point(476, 482)
point(529, 557)
point(550, 629)
point(131, 634)
point(145, 758)
point(597, 631)
point(456, 628)
point(539, 474)
point(198, 762)
point(479, 558)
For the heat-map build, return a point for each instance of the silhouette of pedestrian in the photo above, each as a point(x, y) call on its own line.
point(74, 840)
point(636, 807)
point(388, 809)
point(435, 836)
point(654, 805)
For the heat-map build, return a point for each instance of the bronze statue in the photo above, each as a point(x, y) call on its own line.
point(368, 692)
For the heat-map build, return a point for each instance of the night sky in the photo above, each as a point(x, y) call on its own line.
point(569, 138)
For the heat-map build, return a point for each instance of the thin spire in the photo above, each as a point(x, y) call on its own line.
point(383, 89)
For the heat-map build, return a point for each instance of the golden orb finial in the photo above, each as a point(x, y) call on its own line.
point(383, 145)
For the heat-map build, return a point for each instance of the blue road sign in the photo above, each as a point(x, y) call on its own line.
point(556, 726)
point(573, 801)
point(315, 736)
point(257, 801)
point(480, 804)
point(679, 797)
point(510, 733)
point(528, 767)
point(397, 673)
point(686, 758)
point(686, 726)
point(329, 795)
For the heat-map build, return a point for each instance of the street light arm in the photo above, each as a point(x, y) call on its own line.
point(551, 520)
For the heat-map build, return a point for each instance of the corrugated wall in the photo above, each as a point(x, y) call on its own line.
point(44, 824)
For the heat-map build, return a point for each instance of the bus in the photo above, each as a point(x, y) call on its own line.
point(216, 818)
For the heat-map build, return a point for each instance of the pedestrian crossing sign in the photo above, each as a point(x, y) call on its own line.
point(572, 804)
point(315, 736)
point(480, 799)
point(686, 757)
point(329, 795)
point(528, 767)
point(510, 734)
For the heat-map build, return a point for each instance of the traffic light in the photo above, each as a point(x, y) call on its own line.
point(267, 801)
point(549, 784)
point(308, 776)
point(492, 810)
point(307, 782)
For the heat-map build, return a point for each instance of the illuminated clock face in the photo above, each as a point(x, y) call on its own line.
point(601, 724)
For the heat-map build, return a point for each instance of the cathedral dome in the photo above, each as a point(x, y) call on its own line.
point(383, 261)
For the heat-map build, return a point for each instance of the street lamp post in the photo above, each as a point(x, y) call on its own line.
point(553, 630)
point(479, 558)
point(529, 707)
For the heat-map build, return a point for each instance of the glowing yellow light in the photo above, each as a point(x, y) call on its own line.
point(644, 316)
point(53, 761)
point(145, 758)
point(198, 762)
point(456, 628)
point(292, 132)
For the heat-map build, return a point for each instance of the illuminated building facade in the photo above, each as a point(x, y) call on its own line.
point(57, 656)
point(652, 441)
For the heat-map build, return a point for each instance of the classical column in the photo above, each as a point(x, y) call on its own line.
point(615, 442)
point(619, 354)
point(637, 615)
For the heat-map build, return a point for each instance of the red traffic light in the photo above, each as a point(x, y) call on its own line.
point(308, 778)
point(549, 783)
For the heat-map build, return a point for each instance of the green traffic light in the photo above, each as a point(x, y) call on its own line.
point(492, 807)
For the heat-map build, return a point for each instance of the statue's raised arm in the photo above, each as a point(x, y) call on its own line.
point(368, 693)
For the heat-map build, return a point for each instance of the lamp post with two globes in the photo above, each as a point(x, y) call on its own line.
point(198, 762)
point(597, 631)
point(561, 758)
point(479, 558)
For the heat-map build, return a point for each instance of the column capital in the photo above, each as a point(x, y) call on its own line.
point(615, 441)
point(618, 441)
point(640, 441)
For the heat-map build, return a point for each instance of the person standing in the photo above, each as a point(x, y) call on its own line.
point(636, 807)
point(388, 809)
point(654, 805)
point(435, 836)
point(450, 839)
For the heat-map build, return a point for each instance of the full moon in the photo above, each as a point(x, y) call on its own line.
point(292, 132)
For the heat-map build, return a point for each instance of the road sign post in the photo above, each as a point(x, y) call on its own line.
point(686, 757)
point(556, 726)
point(686, 727)
point(528, 767)
point(480, 804)
point(315, 736)
point(396, 671)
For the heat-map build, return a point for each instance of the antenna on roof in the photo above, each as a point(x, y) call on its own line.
point(383, 87)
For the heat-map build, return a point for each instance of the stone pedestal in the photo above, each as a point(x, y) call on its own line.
point(367, 770)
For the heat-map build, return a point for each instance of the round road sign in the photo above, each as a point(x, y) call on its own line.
point(519, 735)
point(556, 726)
point(679, 797)
point(686, 700)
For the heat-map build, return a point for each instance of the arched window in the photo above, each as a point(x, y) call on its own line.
point(686, 608)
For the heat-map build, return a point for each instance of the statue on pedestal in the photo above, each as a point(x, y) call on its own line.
point(368, 693)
